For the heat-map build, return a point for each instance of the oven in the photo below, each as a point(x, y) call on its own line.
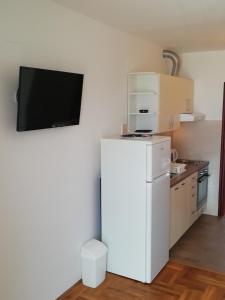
point(202, 187)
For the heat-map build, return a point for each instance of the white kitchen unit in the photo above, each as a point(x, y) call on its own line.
point(183, 210)
point(135, 205)
point(192, 192)
point(155, 101)
point(179, 212)
point(185, 92)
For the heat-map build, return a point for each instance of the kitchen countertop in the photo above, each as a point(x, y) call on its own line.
point(191, 167)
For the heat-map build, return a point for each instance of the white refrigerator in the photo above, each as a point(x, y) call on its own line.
point(135, 205)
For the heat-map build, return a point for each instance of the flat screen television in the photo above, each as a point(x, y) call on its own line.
point(48, 98)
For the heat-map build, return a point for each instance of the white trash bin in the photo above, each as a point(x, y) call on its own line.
point(93, 263)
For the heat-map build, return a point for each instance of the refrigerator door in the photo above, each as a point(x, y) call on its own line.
point(158, 160)
point(123, 202)
point(158, 225)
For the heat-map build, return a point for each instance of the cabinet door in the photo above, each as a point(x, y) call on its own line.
point(184, 225)
point(165, 117)
point(179, 214)
point(192, 198)
point(169, 103)
point(175, 214)
point(186, 95)
point(176, 94)
point(189, 96)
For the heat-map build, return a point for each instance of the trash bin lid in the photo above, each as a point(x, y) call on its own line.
point(93, 249)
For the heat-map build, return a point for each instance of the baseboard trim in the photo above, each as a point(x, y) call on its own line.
point(67, 292)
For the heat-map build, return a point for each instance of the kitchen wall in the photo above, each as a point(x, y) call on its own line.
point(201, 140)
point(49, 179)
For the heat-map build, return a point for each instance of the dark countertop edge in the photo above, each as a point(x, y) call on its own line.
point(191, 169)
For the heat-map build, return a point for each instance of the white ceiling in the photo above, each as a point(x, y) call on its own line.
point(184, 25)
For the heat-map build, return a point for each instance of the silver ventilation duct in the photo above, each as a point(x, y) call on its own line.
point(175, 61)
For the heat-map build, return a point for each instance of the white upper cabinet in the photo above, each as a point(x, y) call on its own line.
point(184, 90)
point(156, 100)
point(142, 101)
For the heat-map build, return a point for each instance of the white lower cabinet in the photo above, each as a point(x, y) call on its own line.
point(178, 210)
point(192, 198)
point(183, 207)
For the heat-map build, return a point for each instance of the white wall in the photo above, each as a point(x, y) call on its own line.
point(201, 140)
point(49, 179)
point(208, 71)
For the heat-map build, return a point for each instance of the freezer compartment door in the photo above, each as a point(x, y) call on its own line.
point(158, 224)
point(158, 160)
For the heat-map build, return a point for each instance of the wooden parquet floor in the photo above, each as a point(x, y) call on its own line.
point(175, 281)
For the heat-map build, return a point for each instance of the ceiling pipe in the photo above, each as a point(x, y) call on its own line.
point(175, 61)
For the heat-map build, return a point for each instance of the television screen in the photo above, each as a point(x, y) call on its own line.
point(48, 98)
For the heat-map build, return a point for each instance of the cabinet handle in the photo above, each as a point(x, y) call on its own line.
point(177, 188)
point(193, 195)
point(183, 183)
